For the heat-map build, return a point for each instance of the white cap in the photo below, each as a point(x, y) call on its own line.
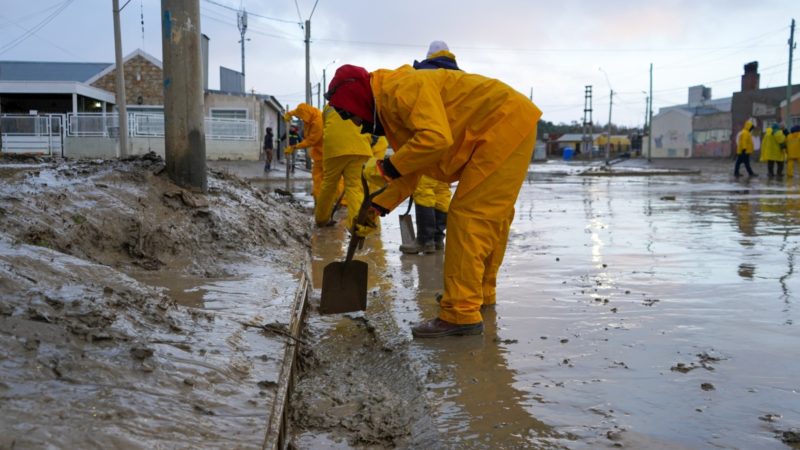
point(436, 47)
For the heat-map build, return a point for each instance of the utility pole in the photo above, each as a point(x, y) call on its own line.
point(121, 101)
point(608, 141)
point(588, 127)
point(241, 17)
point(787, 118)
point(184, 131)
point(308, 62)
point(319, 95)
point(650, 130)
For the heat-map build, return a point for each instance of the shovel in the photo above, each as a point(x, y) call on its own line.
point(407, 226)
point(344, 284)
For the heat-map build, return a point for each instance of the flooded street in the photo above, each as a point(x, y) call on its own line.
point(642, 311)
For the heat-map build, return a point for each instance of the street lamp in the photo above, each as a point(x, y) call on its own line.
point(324, 80)
point(610, 102)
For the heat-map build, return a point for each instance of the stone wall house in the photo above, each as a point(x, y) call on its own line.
point(144, 79)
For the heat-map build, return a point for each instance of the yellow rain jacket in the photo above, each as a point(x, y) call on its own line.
point(771, 145)
point(345, 149)
point(439, 123)
point(343, 137)
point(312, 137)
point(745, 141)
point(455, 126)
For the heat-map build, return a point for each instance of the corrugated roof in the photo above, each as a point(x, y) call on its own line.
point(48, 71)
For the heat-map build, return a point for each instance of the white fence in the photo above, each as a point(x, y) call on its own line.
point(32, 134)
point(152, 125)
point(94, 135)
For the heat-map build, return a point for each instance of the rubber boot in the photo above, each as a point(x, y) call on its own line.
point(425, 232)
point(441, 225)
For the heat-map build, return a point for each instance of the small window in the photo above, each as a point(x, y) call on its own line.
point(229, 113)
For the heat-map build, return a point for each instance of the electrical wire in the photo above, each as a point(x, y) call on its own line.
point(22, 38)
point(260, 16)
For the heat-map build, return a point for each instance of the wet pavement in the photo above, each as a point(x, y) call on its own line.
point(644, 311)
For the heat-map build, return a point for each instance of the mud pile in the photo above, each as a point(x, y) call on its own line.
point(92, 358)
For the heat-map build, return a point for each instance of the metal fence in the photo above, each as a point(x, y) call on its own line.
point(31, 134)
point(152, 125)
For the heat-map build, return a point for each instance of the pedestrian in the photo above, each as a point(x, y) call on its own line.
point(772, 151)
point(268, 138)
point(312, 139)
point(294, 137)
point(344, 151)
point(744, 148)
point(793, 151)
point(451, 126)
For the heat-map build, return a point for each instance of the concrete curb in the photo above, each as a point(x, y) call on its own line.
point(276, 434)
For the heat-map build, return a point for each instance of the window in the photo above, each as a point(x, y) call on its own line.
point(228, 113)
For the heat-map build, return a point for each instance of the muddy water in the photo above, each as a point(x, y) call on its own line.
point(643, 311)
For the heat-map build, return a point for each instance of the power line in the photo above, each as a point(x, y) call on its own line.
point(251, 13)
point(22, 38)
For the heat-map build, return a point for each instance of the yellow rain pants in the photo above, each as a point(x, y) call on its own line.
point(792, 152)
point(312, 139)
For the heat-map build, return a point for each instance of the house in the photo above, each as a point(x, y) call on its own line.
point(68, 109)
point(752, 102)
point(698, 128)
point(29, 87)
point(794, 112)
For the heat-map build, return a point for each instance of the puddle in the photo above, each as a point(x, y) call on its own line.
point(608, 283)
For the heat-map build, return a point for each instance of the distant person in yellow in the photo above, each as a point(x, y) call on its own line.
point(312, 139)
point(744, 148)
point(451, 126)
point(792, 151)
point(772, 151)
point(345, 150)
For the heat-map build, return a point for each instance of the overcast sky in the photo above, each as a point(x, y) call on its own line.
point(550, 48)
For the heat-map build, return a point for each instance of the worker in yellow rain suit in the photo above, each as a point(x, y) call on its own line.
point(744, 148)
point(772, 151)
point(792, 151)
point(345, 150)
point(451, 126)
point(312, 138)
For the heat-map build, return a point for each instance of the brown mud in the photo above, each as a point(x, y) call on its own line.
point(131, 309)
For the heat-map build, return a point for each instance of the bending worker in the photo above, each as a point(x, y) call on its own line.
point(312, 138)
point(345, 150)
point(451, 126)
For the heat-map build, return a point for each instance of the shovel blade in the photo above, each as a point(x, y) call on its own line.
point(344, 287)
point(407, 230)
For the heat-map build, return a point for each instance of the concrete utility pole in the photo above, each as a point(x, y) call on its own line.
point(650, 131)
point(184, 130)
point(308, 62)
point(242, 21)
point(121, 101)
point(787, 118)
